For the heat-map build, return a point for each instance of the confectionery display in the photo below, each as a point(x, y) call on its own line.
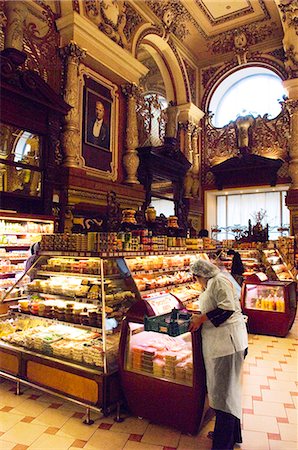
point(277, 268)
point(161, 356)
point(170, 273)
point(71, 291)
point(17, 233)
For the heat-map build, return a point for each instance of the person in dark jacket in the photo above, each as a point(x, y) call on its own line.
point(237, 268)
point(34, 250)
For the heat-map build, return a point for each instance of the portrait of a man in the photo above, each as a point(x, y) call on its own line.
point(98, 128)
point(99, 124)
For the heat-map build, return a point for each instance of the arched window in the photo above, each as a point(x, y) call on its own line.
point(252, 90)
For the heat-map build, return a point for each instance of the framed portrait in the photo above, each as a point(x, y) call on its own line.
point(99, 124)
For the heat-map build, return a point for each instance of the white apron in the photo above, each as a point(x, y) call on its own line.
point(223, 346)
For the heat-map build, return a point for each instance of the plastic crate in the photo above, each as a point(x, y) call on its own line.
point(174, 323)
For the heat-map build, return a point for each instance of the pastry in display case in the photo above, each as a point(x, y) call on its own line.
point(69, 323)
point(269, 305)
point(169, 273)
point(277, 268)
point(161, 363)
point(17, 234)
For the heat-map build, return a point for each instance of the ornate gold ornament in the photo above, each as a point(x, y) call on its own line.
point(110, 17)
point(289, 10)
point(173, 15)
point(241, 38)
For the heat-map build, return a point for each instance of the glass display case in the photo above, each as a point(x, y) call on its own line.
point(70, 322)
point(251, 259)
point(17, 234)
point(269, 305)
point(276, 267)
point(158, 369)
point(166, 273)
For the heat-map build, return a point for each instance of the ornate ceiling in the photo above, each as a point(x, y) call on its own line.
point(207, 30)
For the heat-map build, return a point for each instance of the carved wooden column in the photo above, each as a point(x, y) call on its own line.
point(71, 139)
point(171, 125)
point(196, 162)
point(131, 159)
point(188, 151)
point(16, 12)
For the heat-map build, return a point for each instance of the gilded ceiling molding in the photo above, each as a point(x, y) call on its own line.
point(133, 21)
point(110, 18)
point(289, 10)
point(239, 13)
point(230, 41)
point(173, 15)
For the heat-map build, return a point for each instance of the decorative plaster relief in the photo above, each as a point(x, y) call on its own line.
point(173, 16)
point(110, 17)
point(230, 40)
point(289, 10)
point(133, 21)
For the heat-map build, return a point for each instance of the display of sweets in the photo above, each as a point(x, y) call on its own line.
point(163, 359)
point(54, 339)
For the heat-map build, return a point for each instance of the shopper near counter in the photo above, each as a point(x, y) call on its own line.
point(34, 250)
point(225, 343)
point(237, 268)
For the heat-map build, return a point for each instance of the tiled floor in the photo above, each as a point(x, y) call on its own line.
point(38, 421)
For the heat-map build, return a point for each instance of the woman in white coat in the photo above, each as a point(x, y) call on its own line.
point(225, 343)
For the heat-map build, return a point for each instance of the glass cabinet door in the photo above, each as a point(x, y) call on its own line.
point(159, 355)
point(264, 297)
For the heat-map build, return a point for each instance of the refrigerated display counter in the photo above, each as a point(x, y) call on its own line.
point(269, 305)
point(162, 376)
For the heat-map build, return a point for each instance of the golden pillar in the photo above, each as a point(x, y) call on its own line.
point(71, 139)
point(195, 189)
point(130, 158)
point(16, 13)
point(188, 151)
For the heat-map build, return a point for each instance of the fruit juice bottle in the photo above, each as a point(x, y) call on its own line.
point(263, 303)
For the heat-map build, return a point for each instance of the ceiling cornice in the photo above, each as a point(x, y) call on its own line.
point(101, 50)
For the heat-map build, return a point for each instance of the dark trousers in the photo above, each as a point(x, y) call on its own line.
point(227, 431)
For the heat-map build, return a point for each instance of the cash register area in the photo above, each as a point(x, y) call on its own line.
point(35, 420)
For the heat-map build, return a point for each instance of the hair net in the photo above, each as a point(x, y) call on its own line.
point(204, 269)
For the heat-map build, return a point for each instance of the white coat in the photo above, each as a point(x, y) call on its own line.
point(223, 346)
